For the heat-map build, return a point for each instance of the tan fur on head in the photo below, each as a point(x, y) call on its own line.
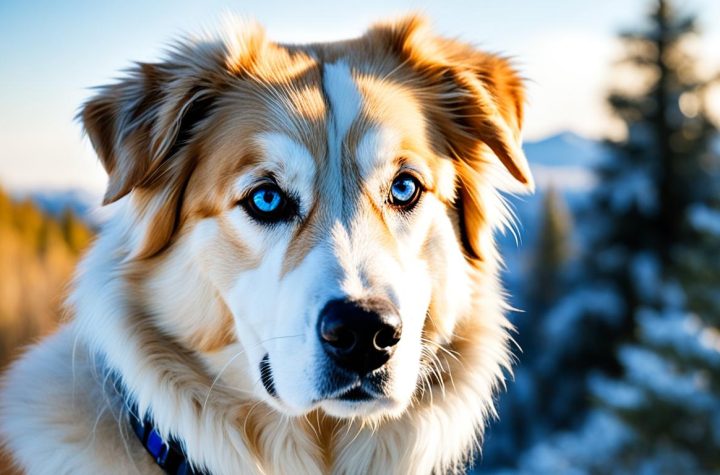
point(477, 100)
point(185, 292)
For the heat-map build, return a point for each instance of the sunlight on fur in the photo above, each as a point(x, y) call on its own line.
point(299, 275)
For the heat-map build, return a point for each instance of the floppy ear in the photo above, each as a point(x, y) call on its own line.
point(485, 103)
point(138, 128)
point(139, 123)
point(475, 101)
point(483, 109)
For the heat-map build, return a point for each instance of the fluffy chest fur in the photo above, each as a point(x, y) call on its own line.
point(300, 275)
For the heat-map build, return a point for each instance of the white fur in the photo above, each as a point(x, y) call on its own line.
point(429, 436)
point(344, 96)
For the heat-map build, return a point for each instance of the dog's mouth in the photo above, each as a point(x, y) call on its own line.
point(355, 395)
point(355, 390)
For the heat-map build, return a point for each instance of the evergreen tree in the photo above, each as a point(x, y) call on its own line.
point(548, 276)
point(660, 171)
point(655, 252)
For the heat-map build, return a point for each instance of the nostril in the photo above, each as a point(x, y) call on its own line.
point(337, 335)
point(388, 336)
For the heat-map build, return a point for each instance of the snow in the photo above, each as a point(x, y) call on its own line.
point(616, 393)
point(705, 219)
point(683, 332)
point(645, 270)
point(564, 318)
point(647, 369)
point(595, 444)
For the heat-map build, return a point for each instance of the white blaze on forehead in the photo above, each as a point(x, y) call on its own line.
point(345, 100)
point(346, 256)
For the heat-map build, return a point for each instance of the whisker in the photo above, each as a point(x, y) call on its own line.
point(235, 356)
point(215, 380)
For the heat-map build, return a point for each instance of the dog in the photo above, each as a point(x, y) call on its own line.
point(299, 275)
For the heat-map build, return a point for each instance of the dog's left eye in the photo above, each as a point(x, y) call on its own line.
point(267, 203)
point(405, 191)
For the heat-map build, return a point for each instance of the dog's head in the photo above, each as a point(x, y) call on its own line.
point(322, 206)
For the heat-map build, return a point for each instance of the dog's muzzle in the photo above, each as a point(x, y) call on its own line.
point(358, 338)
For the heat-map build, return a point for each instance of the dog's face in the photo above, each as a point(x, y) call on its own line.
point(329, 195)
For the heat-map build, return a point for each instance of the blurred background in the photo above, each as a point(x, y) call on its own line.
point(616, 264)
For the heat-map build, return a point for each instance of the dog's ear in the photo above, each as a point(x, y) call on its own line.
point(139, 127)
point(483, 109)
point(144, 127)
point(475, 101)
point(138, 124)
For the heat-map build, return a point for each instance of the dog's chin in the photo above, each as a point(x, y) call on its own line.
point(342, 408)
point(366, 409)
point(363, 400)
point(349, 403)
point(343, 395)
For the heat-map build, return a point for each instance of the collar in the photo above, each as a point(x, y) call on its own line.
point(168, 453)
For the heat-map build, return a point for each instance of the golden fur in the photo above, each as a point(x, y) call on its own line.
point(151, 298)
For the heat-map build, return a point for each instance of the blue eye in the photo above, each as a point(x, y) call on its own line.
point(268, 204)
point(267, 200)
point(405, 191)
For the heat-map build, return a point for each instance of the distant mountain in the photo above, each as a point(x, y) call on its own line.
point(54, 202)
point(565, 161)
point(566, 149)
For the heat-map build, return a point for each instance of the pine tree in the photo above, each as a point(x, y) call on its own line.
point(671, 376)
point(548, 277)
point(655, 249)
point(551, 255)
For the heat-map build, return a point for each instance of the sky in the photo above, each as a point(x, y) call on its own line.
point(52, 54)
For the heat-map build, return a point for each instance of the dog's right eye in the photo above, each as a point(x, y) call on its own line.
point(268, 204)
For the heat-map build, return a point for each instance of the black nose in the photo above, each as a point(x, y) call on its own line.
point(359, 336)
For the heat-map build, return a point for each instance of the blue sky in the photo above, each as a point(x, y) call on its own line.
point(52, 53)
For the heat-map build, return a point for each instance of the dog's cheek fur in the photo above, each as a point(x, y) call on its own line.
point(271, 310)
point(182, 288)
point(443, 274)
